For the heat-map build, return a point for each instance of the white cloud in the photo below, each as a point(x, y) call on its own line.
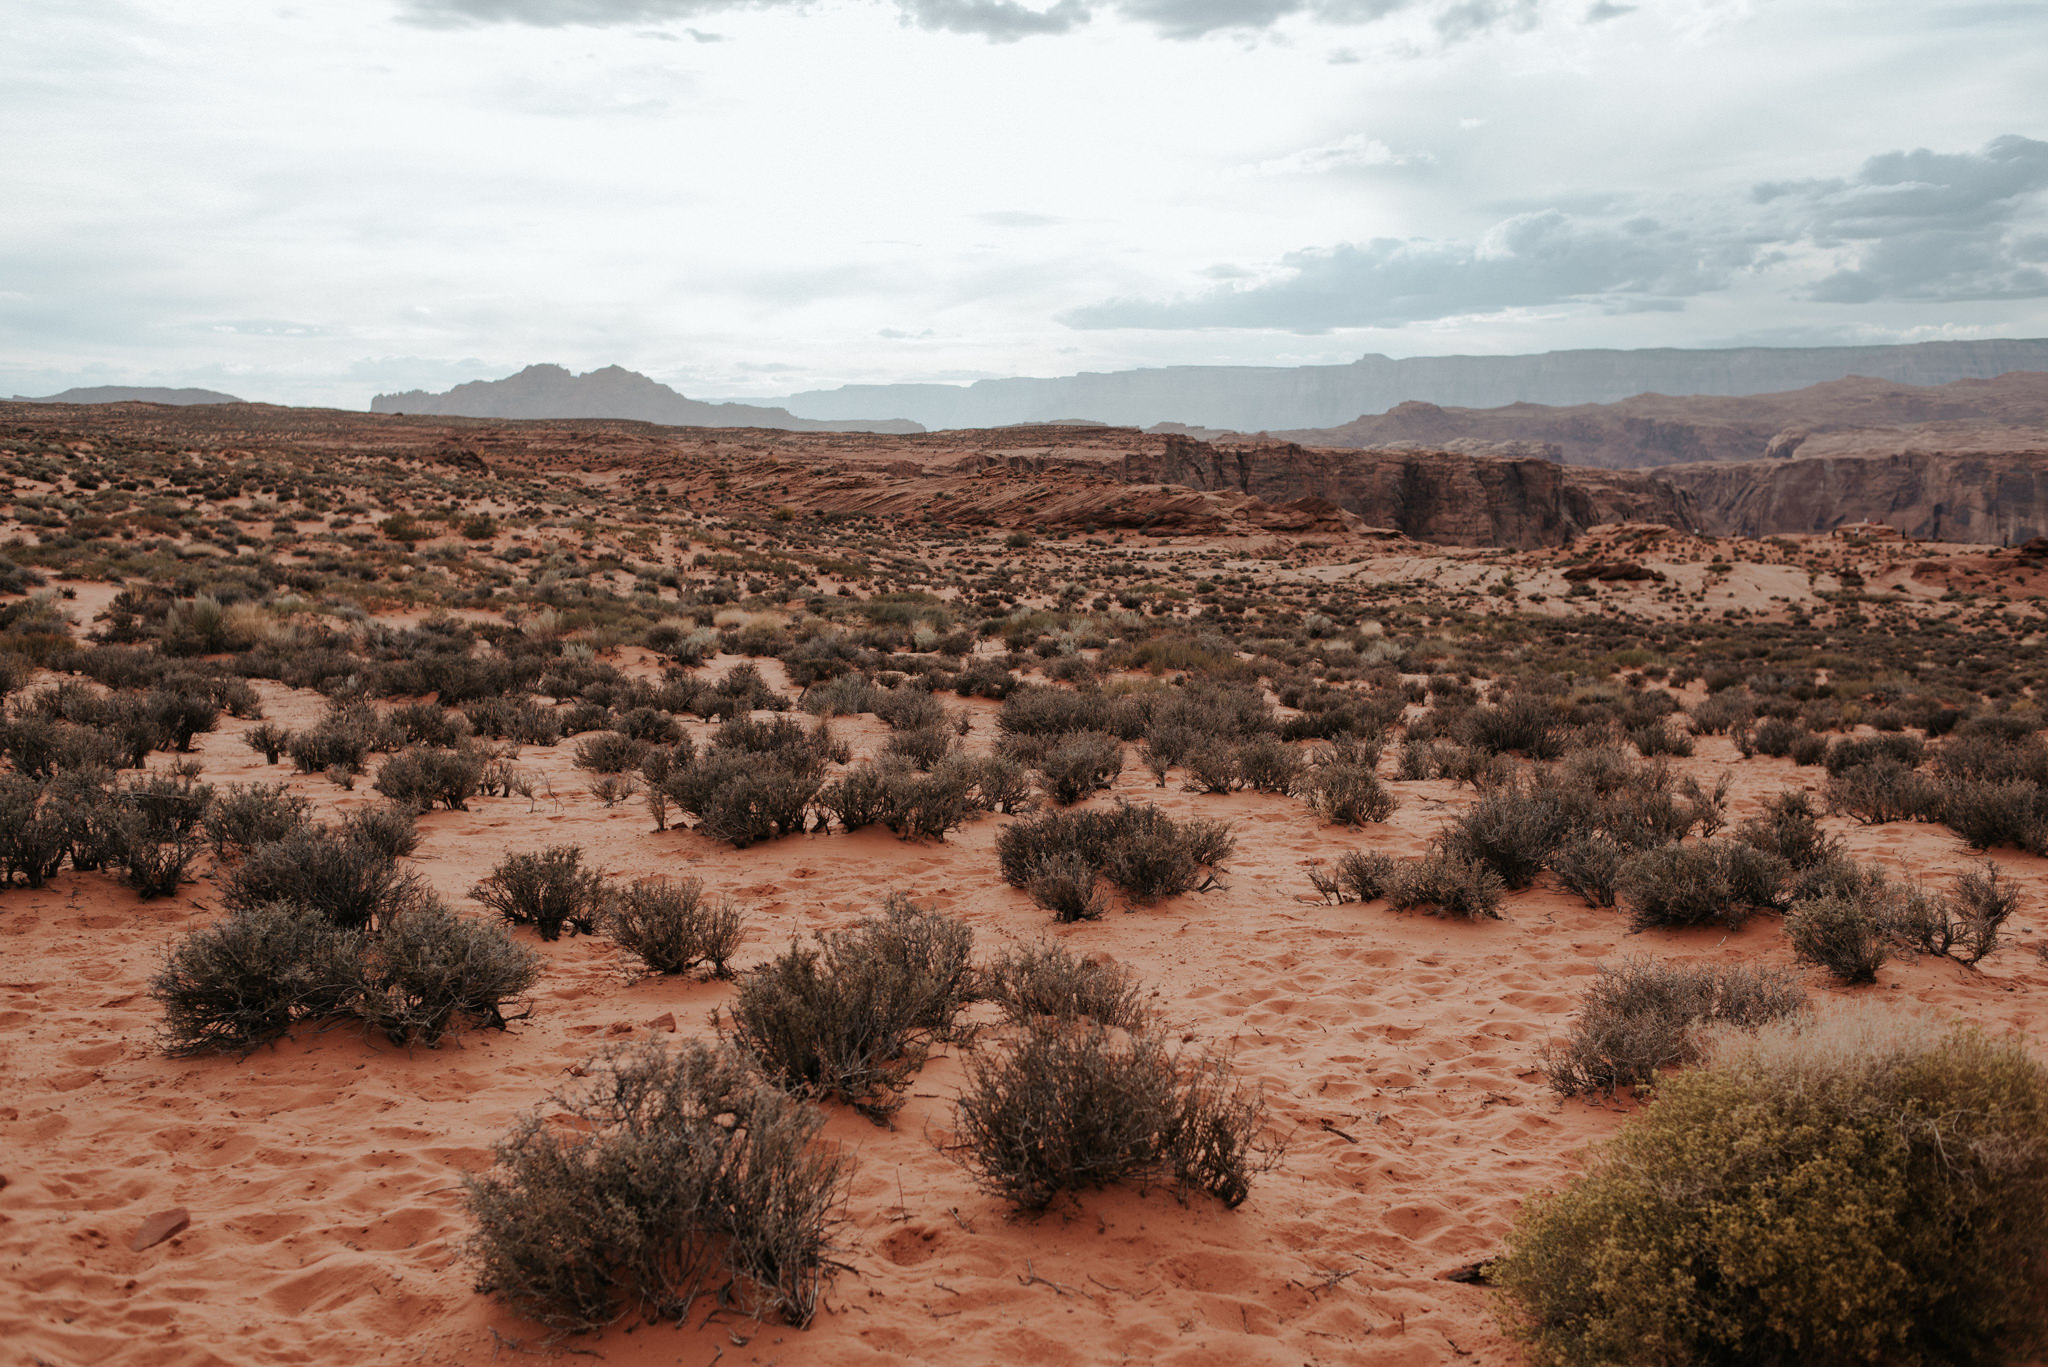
point(1350, 151)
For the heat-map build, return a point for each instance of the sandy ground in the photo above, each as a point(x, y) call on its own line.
point(1398, 1053)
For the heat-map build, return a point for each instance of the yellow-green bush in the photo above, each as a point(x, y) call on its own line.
point(1864, 1186)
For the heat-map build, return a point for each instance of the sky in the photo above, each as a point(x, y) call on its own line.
point(312, 203)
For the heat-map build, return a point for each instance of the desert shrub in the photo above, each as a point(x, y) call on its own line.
point(547, 889)
point(423, 778)
point(1348, 794)
point(927, 806)
point(1040, 710)
point(669, 1172)
point(1064, 884)
point(34, 836)
point(1050, 980)
point(1512, 829)
point(843, 696)
point(249, 977)
point(1883, 790)
point(1788, 829)
point(154, 831)
point(252, 814)
point(1773, 736)
point(1446, 883)
point(427, 723)
point(1212, 768)
point(1641, 1017)
point(1525, 723)
point(353, 884)
point(1357, 876)
point(1900, 1168)
point(673, 926)
point(1078, 764)
point(1167, 746)
point(180, 716)
point(1988, 813)
point(923, 747)
point(1843, 935)
point(342, 738)
point(609, 752)
point(1590, 865)
point(1899, 749)
point(1153, 856)
point(859, 797)
point(1067, 1107)
point(852, 1016)
point(1984, 900)
point(1711, 881)
point(428, 969)
point(1001, 785)
point(1808, 748)
point(1269, 765)
point(1141, 850)
point(387, 827)
point(757, 782)
point(910, 709)
point(268, 740)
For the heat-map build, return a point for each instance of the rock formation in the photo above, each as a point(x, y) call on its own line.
point(1997, 498)
point(121, 393)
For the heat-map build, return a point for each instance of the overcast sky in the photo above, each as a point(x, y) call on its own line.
point(310, 203)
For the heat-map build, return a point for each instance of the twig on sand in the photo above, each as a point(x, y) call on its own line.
point(1031, 1276)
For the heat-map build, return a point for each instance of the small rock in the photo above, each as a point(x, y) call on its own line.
point(665, 1021)
point(160, 1227)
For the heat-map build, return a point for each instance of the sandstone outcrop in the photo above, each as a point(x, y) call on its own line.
point(1999, 498)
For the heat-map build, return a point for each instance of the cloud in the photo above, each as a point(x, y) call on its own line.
point(1926, 225)
point(1008, 20)
point(1351, 150)
point(1529, 261)
point(1909, 226)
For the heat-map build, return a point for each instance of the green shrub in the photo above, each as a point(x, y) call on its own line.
point(424, 779)
point(1068, 1106)
point(1357, 876)
point(389, 828)
point(1988, 813)
point(673, 927)
point(1064, 884)
point(548, 890)
point(1861, 1186)
point(1511, 829)
point(1642, 1017)
point(668, 1173)
point(34, 836)
point(1788, 829)
point(268, 740)
point(1841, 934)
point(1140, 849)
point(1590, 865)
point(1883, 790)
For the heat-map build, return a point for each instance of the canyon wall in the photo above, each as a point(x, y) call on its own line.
point(1968, 496)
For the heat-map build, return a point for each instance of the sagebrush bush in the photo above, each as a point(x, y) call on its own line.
point(390, 828)
point(1050, 980)
point(1988, 813)
point(1070, 1106)
point(425, 778)
point(1846, 936)
point(673, 926)
point(668, 1174)
point(1357, 876)
point(1348, 794)
point(1447, 883)
point(353, 884)
point(429, 970)
point(1709, 881)
point(251, 814)
point(1788, 829)
point(249, 977)
point(1511, 829)
point(852, 1015)
point(1140, 849)
point(547, 889)
point(1078, 764)
point(1641, 1017)
point(1064, 884)
point(1883, 790)
point(1856, 1186)
point(1590, 865)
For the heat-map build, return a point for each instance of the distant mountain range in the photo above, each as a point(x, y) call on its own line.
point(1840, 417)
point(1258, 399)
point(117, 393)
point(549, 391)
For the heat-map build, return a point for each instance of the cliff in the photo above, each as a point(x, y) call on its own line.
point(1445, 497)
point(1935, 496)
point(1272, 398)
point(549, 391)
point(1842, 417)
point(120, 393)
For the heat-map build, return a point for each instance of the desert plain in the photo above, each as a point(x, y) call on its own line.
point(1400, 1054)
